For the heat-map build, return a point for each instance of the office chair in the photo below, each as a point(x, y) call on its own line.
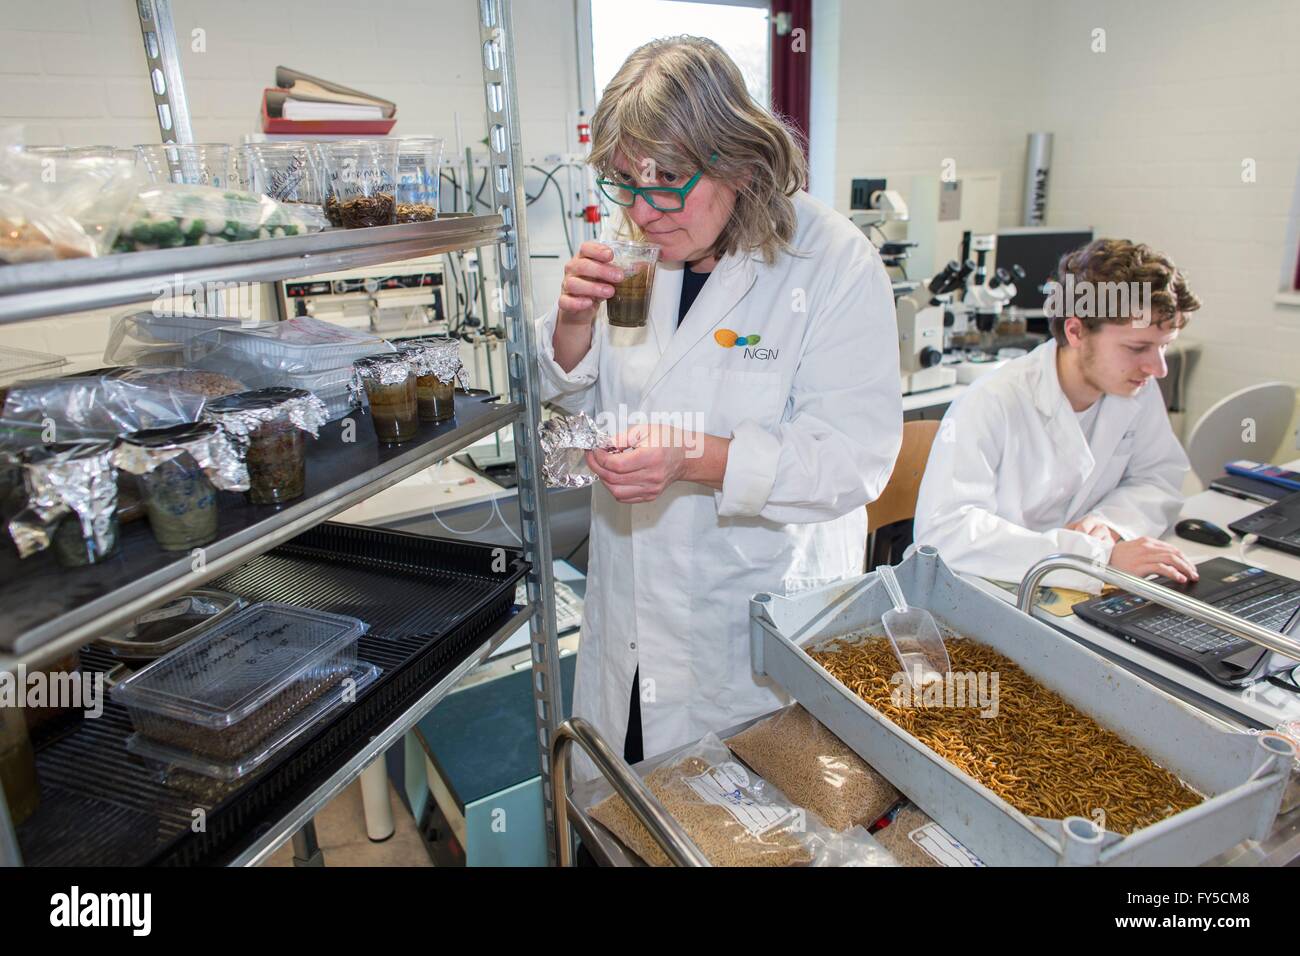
point(1260, 412)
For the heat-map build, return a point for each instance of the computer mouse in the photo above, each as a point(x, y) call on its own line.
point(1203, 532)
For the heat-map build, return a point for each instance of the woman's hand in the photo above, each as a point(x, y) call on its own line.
point(651, 457)
point(648, 459)
point(588, 280)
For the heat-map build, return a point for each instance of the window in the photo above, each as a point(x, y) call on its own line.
point(620, 26)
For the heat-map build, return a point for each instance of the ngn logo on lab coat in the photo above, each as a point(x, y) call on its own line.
point(730, 340)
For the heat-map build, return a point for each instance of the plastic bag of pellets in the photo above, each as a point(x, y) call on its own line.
point(735, 817)
point(915, 839)
point(795, 751)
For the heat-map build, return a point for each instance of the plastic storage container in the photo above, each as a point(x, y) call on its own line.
point(242, 682)
point(297, 346)
point(18, 364)
point(150, 338)
point(332, 386)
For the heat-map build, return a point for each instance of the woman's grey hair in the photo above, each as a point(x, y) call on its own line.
point(680, 101)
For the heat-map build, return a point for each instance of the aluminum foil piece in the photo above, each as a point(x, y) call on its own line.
point(565, 441)
point(383, 369)
point(141, 452)
point(242, 414)
point(76, 477)
point(435, 356)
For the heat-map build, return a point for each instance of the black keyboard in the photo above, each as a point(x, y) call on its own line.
point(1270, 605)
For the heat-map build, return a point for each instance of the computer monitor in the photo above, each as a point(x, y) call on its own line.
point(1038, 251)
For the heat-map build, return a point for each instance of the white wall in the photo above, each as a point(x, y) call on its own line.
point(1150, 139)
point(923, 81)
point(72, 71)
point(1150, 136)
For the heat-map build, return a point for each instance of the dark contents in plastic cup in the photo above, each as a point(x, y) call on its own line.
point(437, 399)
point(178, 495)
point(74, 548)
point(79, 476)
point(277, 463)
point(360, 212)
point(275, 448)
point(391, 391)
point(434, 359)
point(332, 211)
point(416, 212)
point(628, 308)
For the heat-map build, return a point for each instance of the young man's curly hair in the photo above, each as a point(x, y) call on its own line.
point(1122, 261)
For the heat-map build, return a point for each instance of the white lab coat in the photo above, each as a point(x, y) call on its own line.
point(815, 415)
point(1010, 468)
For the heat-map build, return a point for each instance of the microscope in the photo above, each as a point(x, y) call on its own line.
point(920, 316)
point(984, 298)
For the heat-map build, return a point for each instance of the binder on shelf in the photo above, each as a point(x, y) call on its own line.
point(300, 104)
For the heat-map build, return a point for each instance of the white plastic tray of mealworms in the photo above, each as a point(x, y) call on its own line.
point(1033, 750)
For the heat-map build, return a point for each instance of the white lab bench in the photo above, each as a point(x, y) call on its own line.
point(931, 404)
point(1263, 704)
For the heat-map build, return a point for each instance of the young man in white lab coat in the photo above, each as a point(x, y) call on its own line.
point(1069, 449)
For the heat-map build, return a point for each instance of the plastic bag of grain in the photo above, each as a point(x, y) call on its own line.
point(817, 770)
point(915, 839)
point(735, 817)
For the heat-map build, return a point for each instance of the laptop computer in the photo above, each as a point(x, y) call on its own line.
point(1259, 596)
point(1278, 525)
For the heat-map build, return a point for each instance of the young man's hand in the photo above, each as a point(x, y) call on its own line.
point(1094, 527)
point(1144, 556)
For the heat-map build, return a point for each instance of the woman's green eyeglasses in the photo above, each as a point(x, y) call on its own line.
point(663, 198)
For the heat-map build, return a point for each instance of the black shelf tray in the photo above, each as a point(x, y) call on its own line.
point(430, 602)
point(44, 603)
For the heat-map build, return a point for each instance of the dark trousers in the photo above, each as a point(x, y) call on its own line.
point(633, 752)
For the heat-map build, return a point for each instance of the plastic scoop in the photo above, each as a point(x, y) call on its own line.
point(914, 635)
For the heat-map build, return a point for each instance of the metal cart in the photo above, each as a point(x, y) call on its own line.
point(64, 621)
point(1244, 800)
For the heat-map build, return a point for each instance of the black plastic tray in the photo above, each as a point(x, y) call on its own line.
point(429, 603)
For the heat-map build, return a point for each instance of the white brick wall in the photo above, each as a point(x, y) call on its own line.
point(72, 71)
point(1150, 136)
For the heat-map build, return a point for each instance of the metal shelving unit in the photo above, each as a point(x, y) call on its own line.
point(37, 290)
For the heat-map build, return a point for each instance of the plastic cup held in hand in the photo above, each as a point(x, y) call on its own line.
point(914, 636)
point(629, 307)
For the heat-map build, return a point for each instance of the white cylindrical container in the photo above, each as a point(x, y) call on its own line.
point(1038, 164)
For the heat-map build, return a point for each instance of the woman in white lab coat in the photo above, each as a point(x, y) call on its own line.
point(774, 404)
